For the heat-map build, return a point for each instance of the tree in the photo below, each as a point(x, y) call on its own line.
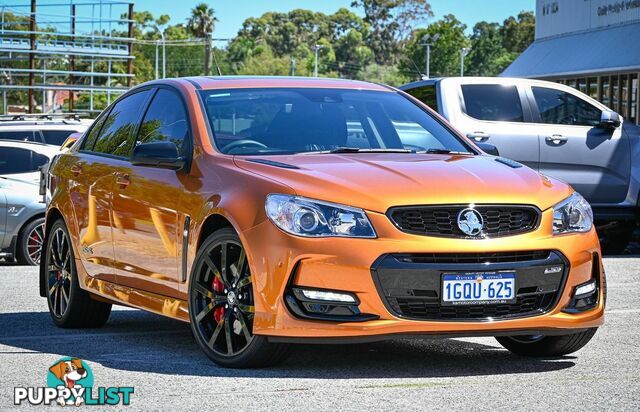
point(202, 21)
point(518, 34)
point(390, 20)
point(445, 53)
point(487, 56)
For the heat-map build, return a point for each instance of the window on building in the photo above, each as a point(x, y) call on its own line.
point(558, 107)
point(624, 95)
point(165, 120)
point(582, 85)
point(615, 102)
point(492, 102)
point(116, 133)
point(633, 114)
point(592, 87)
point(604, 90)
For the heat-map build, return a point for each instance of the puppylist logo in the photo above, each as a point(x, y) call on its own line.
point(70, 382)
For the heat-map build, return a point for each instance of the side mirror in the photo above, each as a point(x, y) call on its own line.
point(609, 119)
point(158, 154)
point(488, 148)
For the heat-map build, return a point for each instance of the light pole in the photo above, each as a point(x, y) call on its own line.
point(463, 52)
point(164, 51)
point(315, 66)
point(428, 41)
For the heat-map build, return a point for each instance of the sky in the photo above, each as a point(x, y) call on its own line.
point(232, 13)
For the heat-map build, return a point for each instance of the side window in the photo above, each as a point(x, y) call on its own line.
point(114, 138)
point(427, 95)
point(14, 160)
point(492, 102)
point(92, 136)
point(165, 120)
point(558, 107)
point(21, 135)
point(56, 137)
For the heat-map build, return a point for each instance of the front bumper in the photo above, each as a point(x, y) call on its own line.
point(279, 261)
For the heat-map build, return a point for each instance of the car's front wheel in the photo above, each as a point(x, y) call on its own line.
point(547, 346)
point(69, 305)
point(221, 306)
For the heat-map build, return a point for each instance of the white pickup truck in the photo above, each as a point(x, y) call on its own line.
point(554, 129)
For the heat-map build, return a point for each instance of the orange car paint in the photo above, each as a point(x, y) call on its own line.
point(159, 200)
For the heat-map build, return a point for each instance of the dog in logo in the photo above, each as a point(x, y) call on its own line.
point(69, 371)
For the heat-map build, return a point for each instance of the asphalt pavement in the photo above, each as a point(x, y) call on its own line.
point(160, 359)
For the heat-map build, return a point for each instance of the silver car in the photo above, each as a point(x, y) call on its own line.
point(556, 130)
point(21, 221)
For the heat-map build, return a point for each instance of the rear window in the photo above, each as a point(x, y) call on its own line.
point(20, 135)
point(427, 95)
point(56, 137)
point(493, 102)
point(15, 160)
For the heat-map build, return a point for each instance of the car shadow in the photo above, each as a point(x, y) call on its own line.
point(139, 341)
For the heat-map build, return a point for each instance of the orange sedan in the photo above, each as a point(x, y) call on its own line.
point(271, 211)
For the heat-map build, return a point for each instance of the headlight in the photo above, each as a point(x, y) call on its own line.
point(313, 218)
point(572, 215)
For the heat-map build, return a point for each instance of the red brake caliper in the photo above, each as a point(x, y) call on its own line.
point(218, 286)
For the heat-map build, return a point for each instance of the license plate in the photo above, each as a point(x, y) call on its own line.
point(478, 288)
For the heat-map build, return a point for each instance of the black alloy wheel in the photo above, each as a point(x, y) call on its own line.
point(221, 305)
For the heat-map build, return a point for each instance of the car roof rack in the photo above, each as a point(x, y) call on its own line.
point(40, 116)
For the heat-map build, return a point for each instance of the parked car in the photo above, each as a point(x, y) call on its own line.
point(51, 129)
point(258, 210)
point(22, 160)
point(556, 130)
point(21, 221)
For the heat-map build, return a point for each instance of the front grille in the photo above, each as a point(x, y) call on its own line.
point(410, 285)
point(430, 309)
point(483, 258)
point(499, 220)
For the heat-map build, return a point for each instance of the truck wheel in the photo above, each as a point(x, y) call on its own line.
point(546, 346)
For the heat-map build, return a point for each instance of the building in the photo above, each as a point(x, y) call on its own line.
point(592, 45)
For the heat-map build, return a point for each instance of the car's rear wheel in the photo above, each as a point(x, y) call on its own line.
point(30, 243)
point(545, 346)
point(221, 306)
point(69, 305)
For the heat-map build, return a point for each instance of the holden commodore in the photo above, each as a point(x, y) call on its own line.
point(272, 211)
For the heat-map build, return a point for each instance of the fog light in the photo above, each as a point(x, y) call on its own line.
point(585, 289)
point(328, 296)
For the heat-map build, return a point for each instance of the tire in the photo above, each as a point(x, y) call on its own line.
point(30, 242)
point(69, 305)
point(221, 310)
point(615, 241)
point(546, 346)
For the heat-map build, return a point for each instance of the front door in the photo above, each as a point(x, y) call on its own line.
point(573, 148)
point(499, 114)
point(147, 217)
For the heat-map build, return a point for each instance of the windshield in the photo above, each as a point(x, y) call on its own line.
point(286, 121)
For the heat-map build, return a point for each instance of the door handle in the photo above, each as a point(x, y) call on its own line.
point(556, 139)
point(478, 136)
point(122, 180)
point(76, 170)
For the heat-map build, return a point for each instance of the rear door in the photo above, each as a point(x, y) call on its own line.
point(499, 114)
point(104, 151)
point(3, 215)
point(594, 160)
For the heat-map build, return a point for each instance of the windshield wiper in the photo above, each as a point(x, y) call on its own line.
point(345, 149)
point(443, 151)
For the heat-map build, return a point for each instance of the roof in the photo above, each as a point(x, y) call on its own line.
point(602, 50)
point(247, 82)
